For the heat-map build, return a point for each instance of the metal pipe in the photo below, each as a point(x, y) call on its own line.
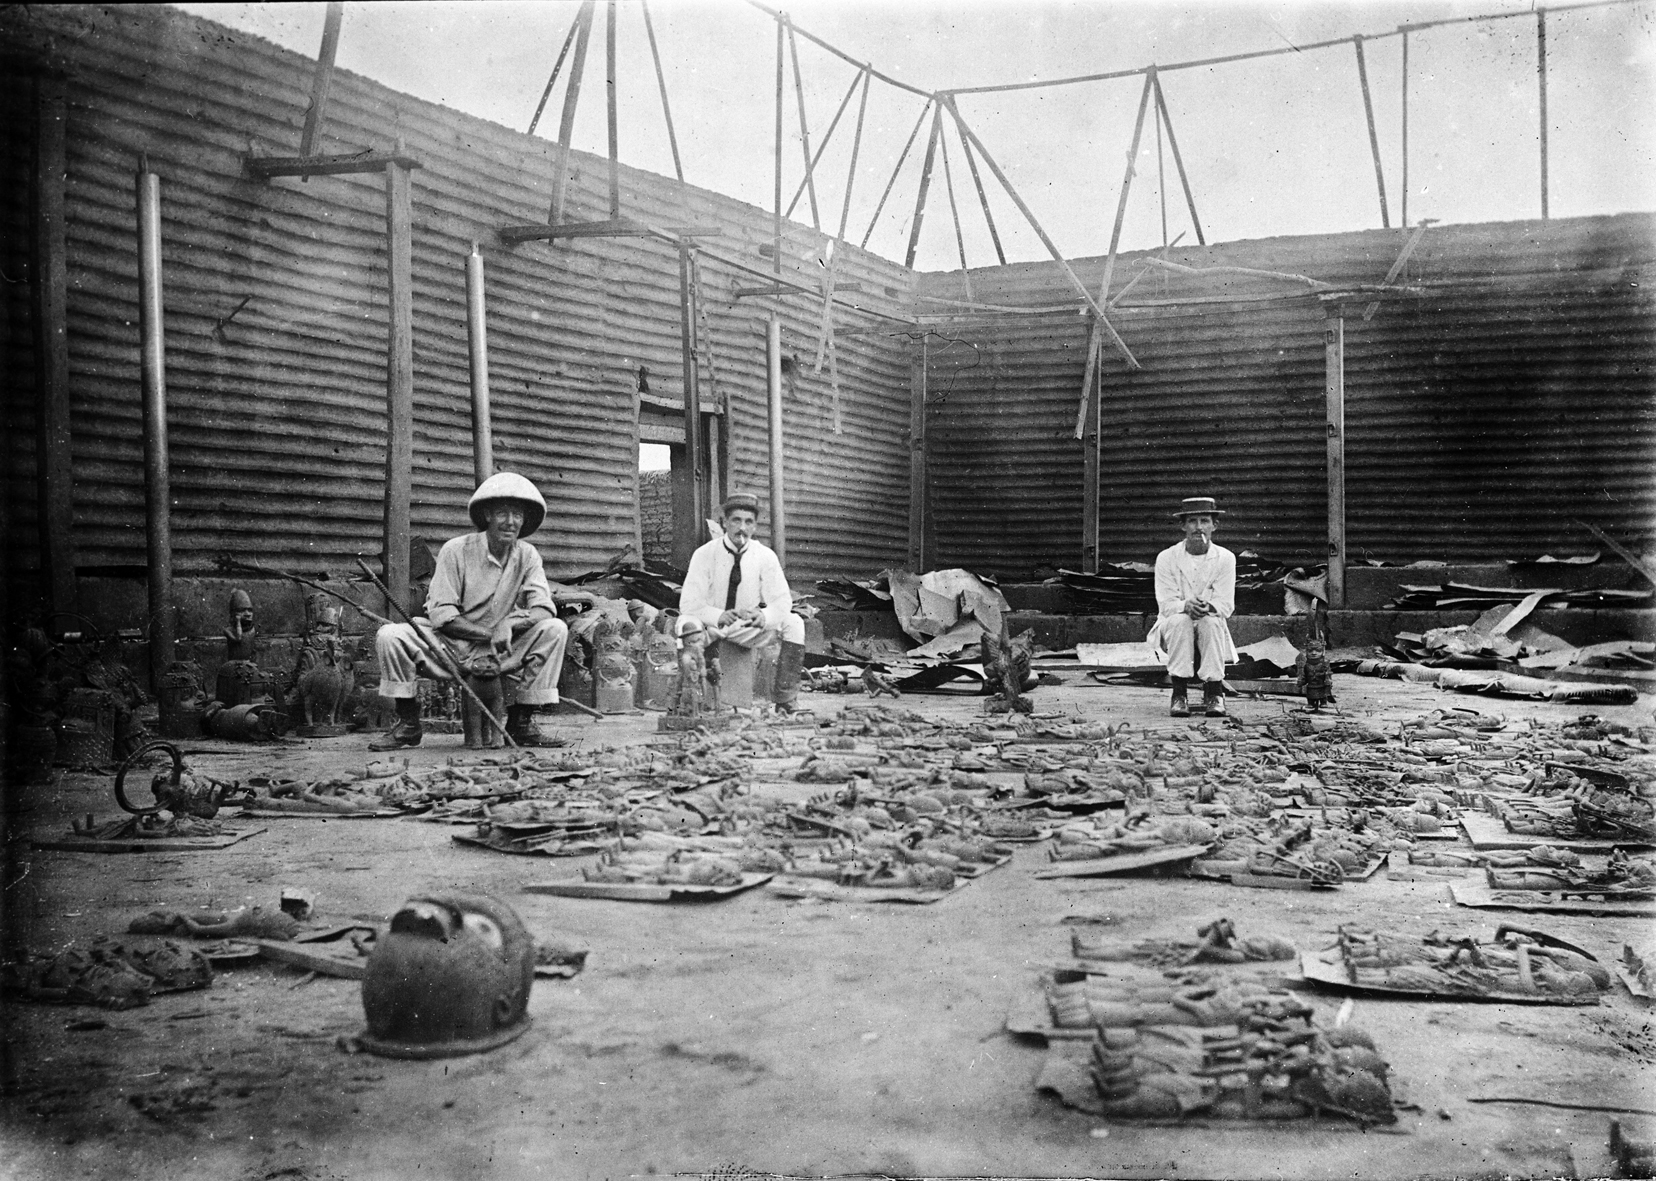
point(153, 368)
point(399, 380)
point(779, 516)
point(478, 334)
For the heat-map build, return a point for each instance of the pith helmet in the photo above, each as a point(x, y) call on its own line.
point(509, 486)
point(451, 977)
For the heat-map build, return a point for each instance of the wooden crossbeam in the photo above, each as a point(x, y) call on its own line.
point(266, 167)
point(617, 227)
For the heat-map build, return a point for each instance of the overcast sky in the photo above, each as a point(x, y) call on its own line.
point(1272, 146)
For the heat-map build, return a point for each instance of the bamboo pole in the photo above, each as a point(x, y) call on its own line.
point(925, 188)
point(322, 80)
point(478, 340)
point(773, 369)
point(1374, 138)
point(610, 111)
point(776, 243)
point(661, 82)
point(1541, 81)
point(1178, 161)
point(901, 156)
point(977, 181)
point(804, 127)
point(822, 144)
point(856, 150)
point(1126, 185)
point(566, 124)
point(153, 377)
point(954, 214)
point(1052, 249)
point(1403, 86)
point(557, 68)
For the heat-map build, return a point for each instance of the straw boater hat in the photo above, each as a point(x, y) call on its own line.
point(741, 500)
point(1199, 506)
point(509, 486)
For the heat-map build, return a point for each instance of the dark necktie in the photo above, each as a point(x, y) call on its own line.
point(735, 579)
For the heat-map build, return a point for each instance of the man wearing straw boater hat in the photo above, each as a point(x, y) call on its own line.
point(1195, 594)
point(736, 587)
point(488, 596)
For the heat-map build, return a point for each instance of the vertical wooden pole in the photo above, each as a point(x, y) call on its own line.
point(1541, 80)
point(399, 383)
point(1161, 177)
point(478, 337)
point(54, 457)
point(1090, 469)
point(157, 486)
point(1404, 197)
point(323, 78)
point(661, 82)
point(694, 452)
point(925, 187)
point(566, 124)
point(609, 103)
point(1178, 162)
point(1374, 138)
point(918, 475)
point(773, 369)
point(1334, 394)
point(776, 233)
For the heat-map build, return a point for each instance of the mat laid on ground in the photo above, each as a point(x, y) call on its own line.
point(74, 844)
point(646, 891)
point(1527, 967)
point(1487, 833)
point(1481, 895)
point(1215, 1078)
point(1123, 862)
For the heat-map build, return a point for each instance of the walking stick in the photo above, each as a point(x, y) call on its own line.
point(440, 653)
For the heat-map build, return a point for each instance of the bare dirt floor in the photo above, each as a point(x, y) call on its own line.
point(758, 1033)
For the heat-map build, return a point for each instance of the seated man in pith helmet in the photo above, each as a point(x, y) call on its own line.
point(1195, 594)
point(489, 594)
point(736, 586)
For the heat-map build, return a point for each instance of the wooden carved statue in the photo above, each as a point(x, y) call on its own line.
point(1005, 669)
point(325, 674)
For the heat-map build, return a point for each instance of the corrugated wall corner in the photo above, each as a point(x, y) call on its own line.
point(1515, 394)
point(276, 410)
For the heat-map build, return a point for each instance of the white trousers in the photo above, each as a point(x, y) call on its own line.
point(535, 659)
point(1180, 635)
point(756, 635)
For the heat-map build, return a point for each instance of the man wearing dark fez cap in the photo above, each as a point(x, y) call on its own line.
point(736, 586)
point(1196, 593)
point(488, 594)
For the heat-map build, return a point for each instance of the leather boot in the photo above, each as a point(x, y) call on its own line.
point(1180, 706)
point(1213, 699)
point(521, 728)
point(785, 691)
point(406, 732)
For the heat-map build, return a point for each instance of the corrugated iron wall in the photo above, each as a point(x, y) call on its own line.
point(276, 410)
point(1515, 394)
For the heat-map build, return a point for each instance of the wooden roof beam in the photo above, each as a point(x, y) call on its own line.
point(268, 167)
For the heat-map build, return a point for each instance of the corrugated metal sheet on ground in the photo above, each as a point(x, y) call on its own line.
point(276, 415)
point(1515, 394)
